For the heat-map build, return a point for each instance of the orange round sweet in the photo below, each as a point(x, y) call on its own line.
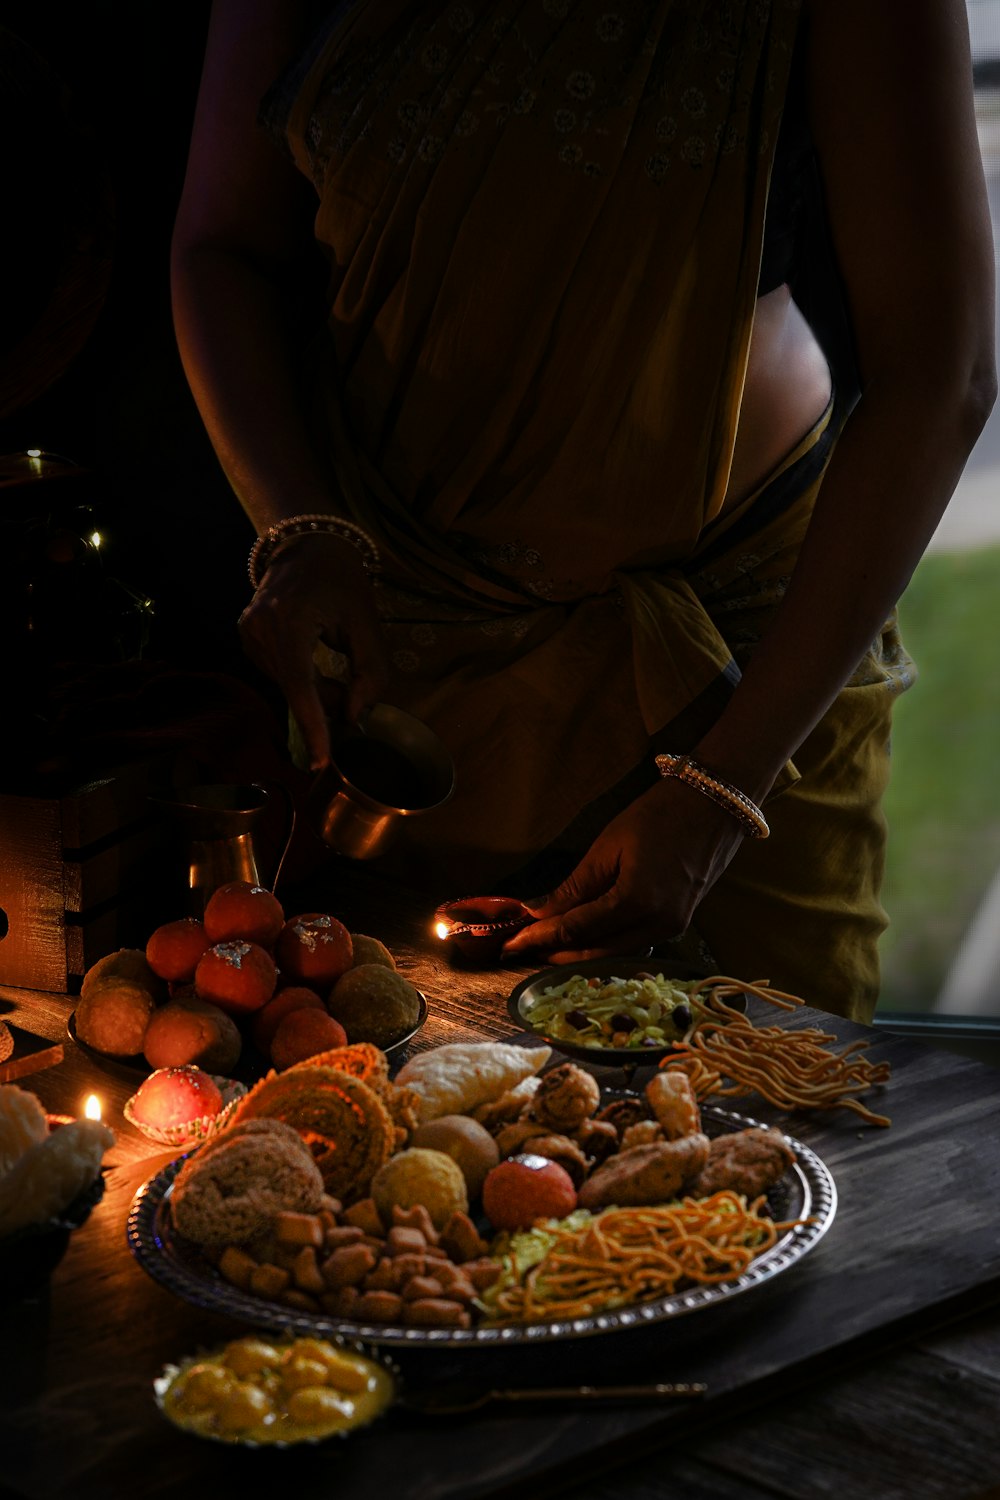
point(526, 1188)
point(238, 977)
point(314, 948)
point(241, 910)
point(174, 948)
point(265, 1022)
point(303, 1033)
point(175, 1096)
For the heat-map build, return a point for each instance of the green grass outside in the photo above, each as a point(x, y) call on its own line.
point(943, 803)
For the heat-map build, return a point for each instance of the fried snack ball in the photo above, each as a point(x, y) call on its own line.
point(174, 1096)
point(418, 1175)
point(526, 1188)
point(566, 1096)
point(238, 977)
point(302, 1034)
point(173, 949)
point(314, 948)
point(264, 1022)
point(374, 1004)
point(125, 963)
point(468, 1143)
point(113, 1017)
point(192, 1032)
point(369, 950)
point(646, 1174)
point(240, 910)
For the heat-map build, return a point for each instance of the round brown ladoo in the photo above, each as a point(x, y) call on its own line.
point(343, 1122)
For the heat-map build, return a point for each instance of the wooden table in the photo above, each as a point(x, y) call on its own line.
point(870, 1369)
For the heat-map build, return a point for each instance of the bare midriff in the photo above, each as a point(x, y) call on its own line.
point(787, 389)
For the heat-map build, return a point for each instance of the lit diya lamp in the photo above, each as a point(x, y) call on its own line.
point(477, 927)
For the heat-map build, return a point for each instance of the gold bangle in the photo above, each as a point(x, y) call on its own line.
point(723, 793)
point(309, 525)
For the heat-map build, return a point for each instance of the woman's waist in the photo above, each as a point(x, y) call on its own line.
point(787, 388)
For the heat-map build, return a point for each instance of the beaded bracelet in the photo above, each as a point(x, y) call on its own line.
point(723, 793)
point(310, 525)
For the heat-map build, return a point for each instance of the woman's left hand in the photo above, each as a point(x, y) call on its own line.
point(639, 883)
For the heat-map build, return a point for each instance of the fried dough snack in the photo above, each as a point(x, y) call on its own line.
point(790, 1069)
point(341, 1118)
point(671, 1097)
point(744, 1161)
point(566, 1096)
point(645, 1174)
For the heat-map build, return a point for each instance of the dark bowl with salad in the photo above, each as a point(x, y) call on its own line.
point(613, 1012)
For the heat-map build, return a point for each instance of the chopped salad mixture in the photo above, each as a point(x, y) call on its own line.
point(645, 1011)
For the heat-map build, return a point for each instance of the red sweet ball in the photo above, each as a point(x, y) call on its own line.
point(174, 949)
point(523, 1189)
point(175, 1096)
point(265, 1022)
point(302, 1033)
point(315, 949)
point(237, 977)
point(241, 910)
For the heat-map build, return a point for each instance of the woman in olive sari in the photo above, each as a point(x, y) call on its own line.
point(563, 390)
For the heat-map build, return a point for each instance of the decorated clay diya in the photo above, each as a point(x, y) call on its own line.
point(476, 927)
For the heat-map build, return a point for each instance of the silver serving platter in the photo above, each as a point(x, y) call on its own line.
point(807, 1191)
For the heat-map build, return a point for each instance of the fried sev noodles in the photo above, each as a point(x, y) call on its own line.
point(623, 1256)
point(790, 1069)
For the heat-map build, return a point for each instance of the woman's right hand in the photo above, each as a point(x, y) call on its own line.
point(315, 590)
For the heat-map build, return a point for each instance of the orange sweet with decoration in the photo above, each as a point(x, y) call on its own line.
point(242, 910)
point(315, 949)
point(238, 977)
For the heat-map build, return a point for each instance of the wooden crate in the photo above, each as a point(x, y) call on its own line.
point(78, 877)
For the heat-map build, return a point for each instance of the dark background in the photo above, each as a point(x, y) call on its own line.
point(97, 104)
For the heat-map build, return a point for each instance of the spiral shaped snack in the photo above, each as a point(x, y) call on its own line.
point(341, 1119)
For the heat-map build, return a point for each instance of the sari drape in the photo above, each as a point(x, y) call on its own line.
point(543, 223)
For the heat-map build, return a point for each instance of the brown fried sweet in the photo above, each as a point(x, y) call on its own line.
point(597, 1139)
point(624, 1112)
point(672, 1099)
point(646, 1174)
point(560, 1149)
point(342, 1120)
point(744, 1161)
point(566, 1096)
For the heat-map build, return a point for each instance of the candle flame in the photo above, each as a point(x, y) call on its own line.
point(92, 1108)
point(442, 929)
